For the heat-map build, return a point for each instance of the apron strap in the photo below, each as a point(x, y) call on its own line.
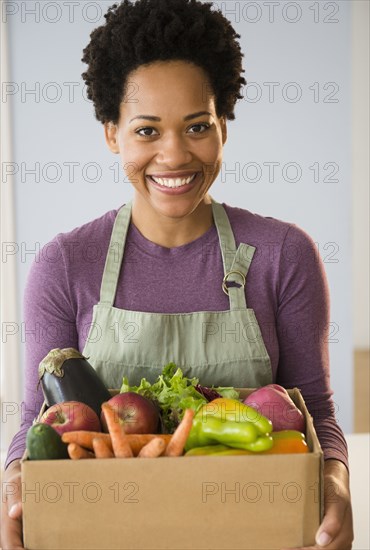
point(225, 235)
point(236, 262)
point(114, 257)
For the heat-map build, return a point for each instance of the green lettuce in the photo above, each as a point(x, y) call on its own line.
point(228, 392)
point(173, 393)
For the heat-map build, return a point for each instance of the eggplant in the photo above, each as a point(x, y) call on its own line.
point(66, 375)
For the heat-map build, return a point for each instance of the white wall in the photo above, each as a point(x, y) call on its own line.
point(360, 173)
point(312, 133)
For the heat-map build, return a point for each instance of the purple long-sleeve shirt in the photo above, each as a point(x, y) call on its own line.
point(286, 286)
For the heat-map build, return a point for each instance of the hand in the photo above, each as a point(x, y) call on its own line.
point(337, 522)
point(11, 508)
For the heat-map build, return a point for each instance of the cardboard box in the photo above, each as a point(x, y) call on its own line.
point(231, 502)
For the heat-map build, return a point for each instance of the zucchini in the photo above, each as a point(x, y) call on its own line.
point(44, 443)
point(66, 375)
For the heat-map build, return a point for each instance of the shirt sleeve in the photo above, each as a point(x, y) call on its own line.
point(49, 321)
point(303, 327)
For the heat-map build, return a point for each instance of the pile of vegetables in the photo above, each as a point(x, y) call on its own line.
point(194, 420)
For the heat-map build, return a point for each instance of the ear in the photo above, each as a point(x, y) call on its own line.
point(223, 129)
point(110, 132)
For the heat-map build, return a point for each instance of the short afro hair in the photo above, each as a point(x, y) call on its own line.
point(146, 31)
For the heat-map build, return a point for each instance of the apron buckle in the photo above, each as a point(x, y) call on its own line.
point(224, 287)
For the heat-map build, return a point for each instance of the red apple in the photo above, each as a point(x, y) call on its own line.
point(139, 414)
point(71, 415)
point(274, 402)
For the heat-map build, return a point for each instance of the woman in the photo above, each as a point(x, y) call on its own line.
point(181, 277)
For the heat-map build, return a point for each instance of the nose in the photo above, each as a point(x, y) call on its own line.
point(174, 151)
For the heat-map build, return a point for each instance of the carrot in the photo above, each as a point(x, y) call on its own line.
point(137, 441)
point(120, 443)
point(101, 448)
point(76, 452)
point(177, 443)
point(154, 448)
point(85, 438)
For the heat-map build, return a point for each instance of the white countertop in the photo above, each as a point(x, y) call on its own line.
point(359, 465)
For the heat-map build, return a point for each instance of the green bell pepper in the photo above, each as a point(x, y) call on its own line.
point(233, 410)
point(211, 430)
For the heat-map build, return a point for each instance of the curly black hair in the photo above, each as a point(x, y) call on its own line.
point(146, 31)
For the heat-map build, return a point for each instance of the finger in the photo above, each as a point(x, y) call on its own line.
point(15, 510)
point(12, 494)
point(332, 522)
point(344, 538)
point(11, 533)
point(333, 516)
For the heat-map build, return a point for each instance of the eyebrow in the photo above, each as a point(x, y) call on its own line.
point(158, 119)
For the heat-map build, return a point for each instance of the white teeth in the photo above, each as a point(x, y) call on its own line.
point(173, 182)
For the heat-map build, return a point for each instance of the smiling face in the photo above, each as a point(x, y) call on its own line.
point(167, 133)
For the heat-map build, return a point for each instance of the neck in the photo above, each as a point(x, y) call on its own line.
point(170, 232)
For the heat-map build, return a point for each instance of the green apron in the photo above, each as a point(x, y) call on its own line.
point(221, 348)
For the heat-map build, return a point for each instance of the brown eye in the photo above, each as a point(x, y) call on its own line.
point(198, 126)
point(144, 129)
